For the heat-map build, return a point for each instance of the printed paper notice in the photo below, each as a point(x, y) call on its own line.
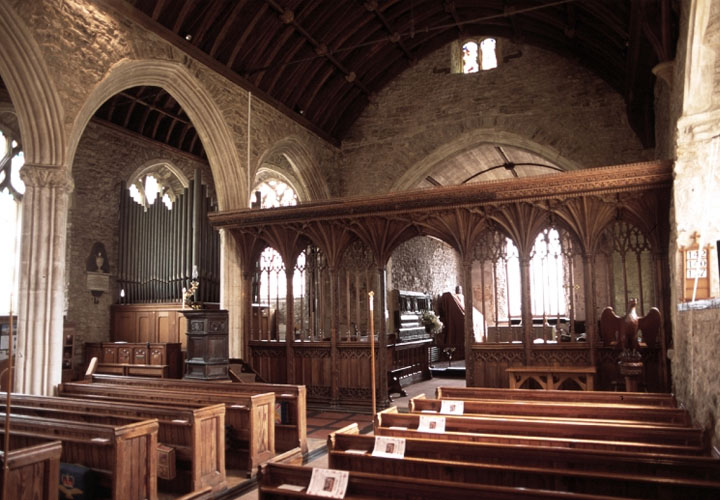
point(329, 483)
point(389, 447)
point(430, 423)
point(452, 407)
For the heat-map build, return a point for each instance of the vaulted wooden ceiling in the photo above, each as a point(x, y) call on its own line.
point(321, 61)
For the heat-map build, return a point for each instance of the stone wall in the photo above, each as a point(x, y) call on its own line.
point(695, 105)
point(104, 162)
point(424, 265)
point(536, 99)
point(81, 41)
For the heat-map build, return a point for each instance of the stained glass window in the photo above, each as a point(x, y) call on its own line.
point(488, 54)
point(470, 57)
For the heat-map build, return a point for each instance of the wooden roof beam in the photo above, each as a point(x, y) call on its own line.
point(226, 26)
point(372, 6)
point(288, 17)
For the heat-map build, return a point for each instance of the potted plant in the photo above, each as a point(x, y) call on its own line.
point(431, 322)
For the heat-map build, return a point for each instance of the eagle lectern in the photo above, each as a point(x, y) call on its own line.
point(623, 333)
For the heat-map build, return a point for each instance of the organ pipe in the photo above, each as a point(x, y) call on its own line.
point(158, 248)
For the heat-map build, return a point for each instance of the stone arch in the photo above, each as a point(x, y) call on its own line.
point(152, 166)
point(468, 141)
point(230, 185)
point(36, 101)
point(303, 174)
point(166, 174)
point(266, 173)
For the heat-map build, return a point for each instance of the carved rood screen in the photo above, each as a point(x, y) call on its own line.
point(543, 255)
point(310, 290)
point(554, 291)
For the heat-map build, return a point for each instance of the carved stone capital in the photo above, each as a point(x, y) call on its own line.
point(42, 176)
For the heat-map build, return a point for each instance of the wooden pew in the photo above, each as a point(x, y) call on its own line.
point(249, 417)
point(290, 434)
point(197, 435)
point(446, 461)
point(647, 464)
point(123, 456)
point(34, 468)
point(555, 427)
point(563, 409)
point(641, 398)
point(391, 423)
point(274, 479)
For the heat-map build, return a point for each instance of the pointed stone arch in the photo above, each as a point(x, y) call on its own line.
point(415, 174)
point(35, 99)
point(205, 115)
point(303, 174)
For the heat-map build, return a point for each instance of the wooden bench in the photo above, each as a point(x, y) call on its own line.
point(123, 456)
point(448, 464)
point(275, 478)
point(127, 369)
point(248, 417)
point(641, 398)
point(289, 433)
point(33, 468)
point(345, 443)
point(552, 377)
point(555, 427)
point(563, 409)
point(391, 423)
point(197, 435)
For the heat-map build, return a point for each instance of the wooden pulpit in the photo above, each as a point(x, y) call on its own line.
point(207, 344)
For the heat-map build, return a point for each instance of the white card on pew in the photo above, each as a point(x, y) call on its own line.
point(291, 487)
point(355, 452)
point(452, 407)
point(428, 411)
point(430, 423)
point(389, 447)
point(331, 483)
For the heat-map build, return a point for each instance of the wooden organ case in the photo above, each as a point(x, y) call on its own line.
point(410, 349)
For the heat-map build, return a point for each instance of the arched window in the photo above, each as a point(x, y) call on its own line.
point(275, 193)
point(547, 275)
point(270, 289)
point(488, 55)
point(147, 189)
point(478, 54)
point(12, 189)
point(470, 57)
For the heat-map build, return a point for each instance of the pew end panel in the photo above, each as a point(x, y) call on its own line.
point(254, 424)
point(124, 456)
point(33, 469)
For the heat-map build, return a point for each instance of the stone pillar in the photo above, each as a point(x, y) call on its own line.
point(334, 358)
point(38, 360)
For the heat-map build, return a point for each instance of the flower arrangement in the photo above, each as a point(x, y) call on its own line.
point(431, 322)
